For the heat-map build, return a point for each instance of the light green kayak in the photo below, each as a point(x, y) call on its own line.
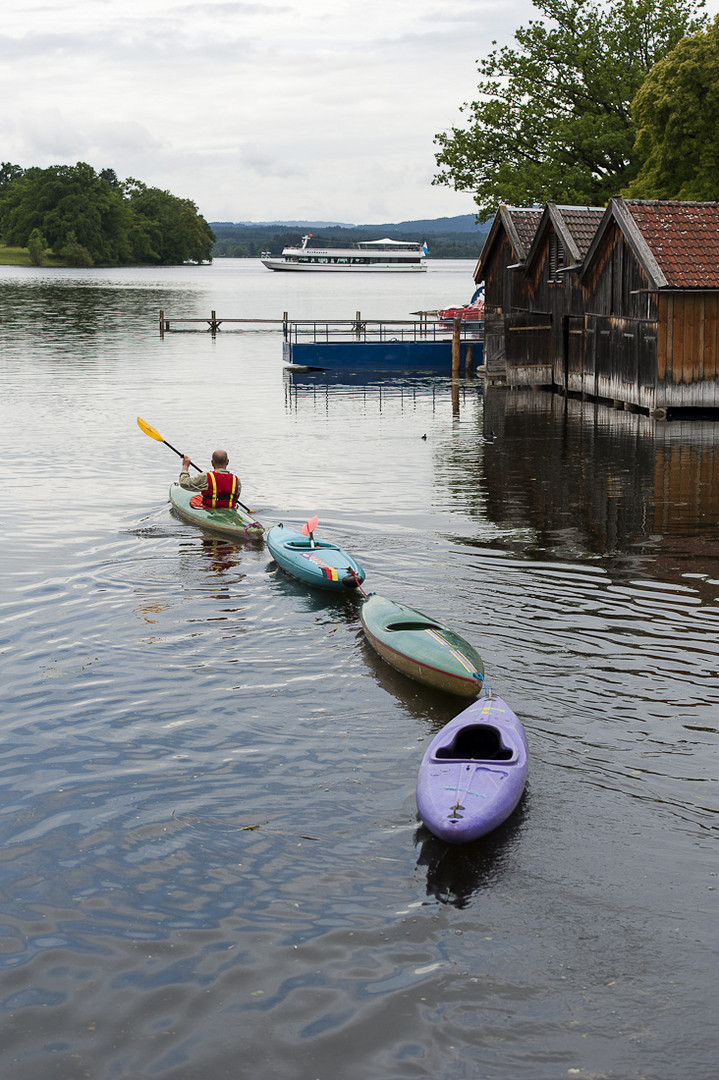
point(233, 524)
point(421, 647)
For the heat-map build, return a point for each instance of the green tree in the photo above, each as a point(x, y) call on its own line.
point(37, 246)
point(64, 200)
point(676, 113)
point(552, 120)
point(8, 174)
point(169, 230)
point(74, 252)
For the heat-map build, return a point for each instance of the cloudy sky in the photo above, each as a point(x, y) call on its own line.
point(257, 110)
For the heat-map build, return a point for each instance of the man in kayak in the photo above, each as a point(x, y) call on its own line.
point(216, 488)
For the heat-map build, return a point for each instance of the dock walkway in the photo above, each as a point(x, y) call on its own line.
point(424, 343)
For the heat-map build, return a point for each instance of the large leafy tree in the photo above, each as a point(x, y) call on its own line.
point(90, 217)
point(676, 113)
point(552, 120)
point(67, 202)
point(170, 229)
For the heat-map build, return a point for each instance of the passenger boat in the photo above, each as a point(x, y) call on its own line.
point(315, 562)
point(421, 648)
point(367, 256)
point(473, 773)
point(233, 524)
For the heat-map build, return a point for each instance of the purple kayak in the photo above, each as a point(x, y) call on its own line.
point(473, 773)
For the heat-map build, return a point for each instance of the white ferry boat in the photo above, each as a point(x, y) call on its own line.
point(371, 256)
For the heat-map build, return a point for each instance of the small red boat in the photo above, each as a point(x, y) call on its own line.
point(473, 312)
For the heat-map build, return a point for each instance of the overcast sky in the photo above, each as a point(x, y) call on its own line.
point(275, 109)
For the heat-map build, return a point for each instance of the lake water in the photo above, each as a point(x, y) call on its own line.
point(212, 864)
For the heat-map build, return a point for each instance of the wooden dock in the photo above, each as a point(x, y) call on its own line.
point(395, 343)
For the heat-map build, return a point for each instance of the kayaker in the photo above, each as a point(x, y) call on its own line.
point(218, 487)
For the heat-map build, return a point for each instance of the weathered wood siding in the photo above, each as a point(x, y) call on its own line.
point(570, 374)
point(528, 339)
point(688, 350)
point(495, 357)
point(504, 289)
point(617, 284)
point(620, 360)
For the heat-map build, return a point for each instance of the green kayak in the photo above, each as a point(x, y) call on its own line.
point(233, 524)
point(421, 647)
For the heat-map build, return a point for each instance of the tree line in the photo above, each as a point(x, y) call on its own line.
point(88, 218)
point(236, 241)
point(600, 98)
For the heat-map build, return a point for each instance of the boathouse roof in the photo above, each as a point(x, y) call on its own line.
point(676, 243)
point(575, 226)
point(519, 225)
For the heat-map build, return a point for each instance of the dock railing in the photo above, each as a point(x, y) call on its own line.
point(297, 331)
point(301, 331)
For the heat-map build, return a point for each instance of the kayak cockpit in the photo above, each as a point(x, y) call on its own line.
point(476, 742)
point(412, 624)
point(305, 545)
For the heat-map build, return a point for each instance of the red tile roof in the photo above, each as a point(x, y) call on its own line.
point(683, 237)
point(582, 222)
point(525, 222)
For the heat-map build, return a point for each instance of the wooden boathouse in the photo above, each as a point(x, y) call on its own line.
point(618, 305)
point(500, 267)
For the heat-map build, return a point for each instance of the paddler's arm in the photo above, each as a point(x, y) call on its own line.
point(192, 483)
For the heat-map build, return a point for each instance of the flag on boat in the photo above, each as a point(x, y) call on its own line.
point(425, 249)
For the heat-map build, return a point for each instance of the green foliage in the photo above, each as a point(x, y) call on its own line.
point(90, 218)
point(37, 246)
point(552, 120)
point(676, 113)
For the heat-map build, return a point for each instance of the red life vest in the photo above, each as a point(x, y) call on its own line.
point(221, 491)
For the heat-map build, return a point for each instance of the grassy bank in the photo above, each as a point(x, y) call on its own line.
point(17, 256)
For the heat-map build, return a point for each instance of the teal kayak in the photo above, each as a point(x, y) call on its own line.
point(315, 562)
point(233, 524)
point(421, 647)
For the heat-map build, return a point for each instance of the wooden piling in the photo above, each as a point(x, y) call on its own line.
point(456, 347)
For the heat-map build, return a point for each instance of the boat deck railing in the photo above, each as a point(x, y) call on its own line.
point(311, 331)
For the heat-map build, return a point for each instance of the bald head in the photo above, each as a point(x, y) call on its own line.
point(220, 459)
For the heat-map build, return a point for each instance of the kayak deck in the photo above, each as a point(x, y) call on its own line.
point(422, 648)
point(233, 524)
point(473, 773)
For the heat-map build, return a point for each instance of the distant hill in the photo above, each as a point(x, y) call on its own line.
point(447, 238)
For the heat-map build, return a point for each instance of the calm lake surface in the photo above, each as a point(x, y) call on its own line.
point(212, 865)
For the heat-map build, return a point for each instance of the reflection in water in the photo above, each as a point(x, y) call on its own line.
point(457, 872)
point(574, 479)
point(222, 555)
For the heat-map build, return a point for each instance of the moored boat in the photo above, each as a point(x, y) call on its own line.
point(468, 314)
point(473, 773)
point(234, 524)
point(369, 256)
point(421, 647)
point(315, 562)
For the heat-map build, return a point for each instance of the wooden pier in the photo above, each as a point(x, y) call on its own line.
point(213, 324)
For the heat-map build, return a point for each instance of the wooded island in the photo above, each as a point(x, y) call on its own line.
point(73, 216)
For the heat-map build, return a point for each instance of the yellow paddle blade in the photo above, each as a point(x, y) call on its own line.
point(149, 430)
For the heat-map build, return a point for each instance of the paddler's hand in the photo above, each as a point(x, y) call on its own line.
point(186, 463)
